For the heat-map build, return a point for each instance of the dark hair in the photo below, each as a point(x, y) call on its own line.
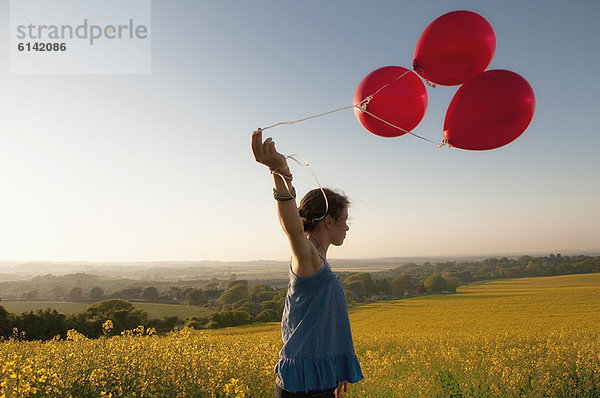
point(312, 207)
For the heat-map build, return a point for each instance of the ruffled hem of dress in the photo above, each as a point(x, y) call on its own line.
point(318, 373)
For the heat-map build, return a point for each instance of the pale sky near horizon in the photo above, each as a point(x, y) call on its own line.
point(158, 167)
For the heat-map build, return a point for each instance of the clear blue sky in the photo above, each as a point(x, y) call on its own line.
point(158, 166)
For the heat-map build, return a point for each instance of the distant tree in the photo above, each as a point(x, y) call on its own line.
point(214, 285)
point(383, 287)
point(238, 282)
point(235, 293)
point(169, 323)
point(75, 294)
point(130, 293)
point(465, 276)
point(166, 324)
point(452, 283)
point(586, 266)
point(248, 306)
point(32, 294)
point(186, 291)
point(268, 316)
point(96, 293)
point(150, 293)
point(533, 269)
point(516, 271)
point(41, 324)
point(260, 293)
point(348, 295)
point(435, 283)
point(196, 297)
point(57, 293)
point(357, 289)
point(212, 295)
point(523, 260)
point(230, 318)
point(5, 322)
point(361, 285)
point(122, 313)
point(176, 293)
point(364, 278)
point(275, 305)
point(505, 262)
point(447, 273)
point(197, 322)
point(498, 272)
point(490, 262)
point(263, 296)
point(402, 284)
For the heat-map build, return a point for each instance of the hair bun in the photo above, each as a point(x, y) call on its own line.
point(313, 205)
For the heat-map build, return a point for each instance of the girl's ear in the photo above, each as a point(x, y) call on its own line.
point(328, 221)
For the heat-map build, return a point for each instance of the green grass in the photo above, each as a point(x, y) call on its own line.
point(154, 310)
point(17, 307)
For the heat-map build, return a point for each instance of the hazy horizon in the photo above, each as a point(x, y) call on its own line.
point(591, 252)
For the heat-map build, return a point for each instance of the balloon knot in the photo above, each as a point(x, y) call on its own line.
point(363, 104)
point(430, 83)
point(444, 143)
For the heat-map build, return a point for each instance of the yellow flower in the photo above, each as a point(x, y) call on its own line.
point(107, 326)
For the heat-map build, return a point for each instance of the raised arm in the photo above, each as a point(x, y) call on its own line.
point(306, 258)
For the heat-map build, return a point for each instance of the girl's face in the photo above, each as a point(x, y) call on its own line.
point(339, 228)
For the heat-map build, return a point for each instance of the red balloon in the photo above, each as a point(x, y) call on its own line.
point(489, 111)
point(402, 102)
point(454, 48)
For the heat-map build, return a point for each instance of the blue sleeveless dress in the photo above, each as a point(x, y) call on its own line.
point(317, 348)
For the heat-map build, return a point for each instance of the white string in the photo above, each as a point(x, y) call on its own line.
point(384, 86)
point(315, 177)
point(393, 125)
point(306, 118)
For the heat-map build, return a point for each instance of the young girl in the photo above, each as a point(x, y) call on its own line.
point(317, 358)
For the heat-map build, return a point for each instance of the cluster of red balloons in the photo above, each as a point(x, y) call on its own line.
point(490, 110)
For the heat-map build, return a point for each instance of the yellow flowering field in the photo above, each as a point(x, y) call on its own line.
point(533, 337)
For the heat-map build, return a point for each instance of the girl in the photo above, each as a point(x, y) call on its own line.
point(317, 358)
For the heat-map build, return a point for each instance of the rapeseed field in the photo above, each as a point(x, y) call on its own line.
point(535, 337)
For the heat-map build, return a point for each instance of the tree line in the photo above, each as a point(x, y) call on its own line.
point(504, 267)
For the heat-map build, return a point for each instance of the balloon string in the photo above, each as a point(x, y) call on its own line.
point(385, 85)
point(362, 107)
point(306, 118)
point(305, 164)
point(397, 127)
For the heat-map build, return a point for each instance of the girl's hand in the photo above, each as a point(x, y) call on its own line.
point(265, 152)
point(341, 388)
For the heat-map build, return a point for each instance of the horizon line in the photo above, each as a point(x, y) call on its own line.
point(467, 255)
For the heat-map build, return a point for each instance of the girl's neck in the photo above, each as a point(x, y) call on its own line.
point(321, 247)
